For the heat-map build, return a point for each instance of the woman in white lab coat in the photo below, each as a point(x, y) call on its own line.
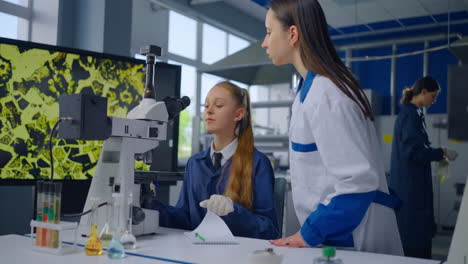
point(338, 182)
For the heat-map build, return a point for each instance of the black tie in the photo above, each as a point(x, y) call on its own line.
point(217, 160)
point(421, 114)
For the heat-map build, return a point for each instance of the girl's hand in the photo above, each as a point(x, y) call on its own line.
point(218, 204)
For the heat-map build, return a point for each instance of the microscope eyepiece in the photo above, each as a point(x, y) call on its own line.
point(175, 106)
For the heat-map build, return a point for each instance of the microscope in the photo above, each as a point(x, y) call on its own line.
point(84, 117)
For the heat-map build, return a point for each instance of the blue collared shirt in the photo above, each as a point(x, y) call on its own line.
point(201, 181)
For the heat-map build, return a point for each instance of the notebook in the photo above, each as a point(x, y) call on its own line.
point(212, 231)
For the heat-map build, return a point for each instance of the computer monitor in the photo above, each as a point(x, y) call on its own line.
point(33, 76)
point(458, 102)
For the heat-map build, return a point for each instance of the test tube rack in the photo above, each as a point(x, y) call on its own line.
point(63, 248)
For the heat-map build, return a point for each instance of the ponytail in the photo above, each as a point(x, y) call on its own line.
point(428, 83)
point(407, 95)
point(239, 186)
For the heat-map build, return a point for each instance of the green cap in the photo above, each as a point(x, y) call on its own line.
point(328, 252)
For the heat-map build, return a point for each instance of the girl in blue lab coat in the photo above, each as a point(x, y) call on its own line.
point(231, 178)
point(410, 173)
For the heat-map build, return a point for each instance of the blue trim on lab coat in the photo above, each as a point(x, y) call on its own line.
point(303, 147)
point(201, 181)
point(304, 86)
point(411, 177)
point(333, 224)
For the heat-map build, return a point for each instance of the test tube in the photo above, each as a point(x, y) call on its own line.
point(51, 215)
point(58, 206)
point(58, 201)
point(45, 211)
point(39, 208)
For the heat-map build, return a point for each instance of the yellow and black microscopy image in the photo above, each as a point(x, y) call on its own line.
point(31, 81)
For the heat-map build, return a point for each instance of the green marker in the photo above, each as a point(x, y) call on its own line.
point(199, 237)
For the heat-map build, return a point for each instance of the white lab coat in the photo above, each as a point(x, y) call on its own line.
point(334, 153)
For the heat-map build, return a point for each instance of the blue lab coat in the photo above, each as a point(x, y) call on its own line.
point(411, 178)
point(201, 181)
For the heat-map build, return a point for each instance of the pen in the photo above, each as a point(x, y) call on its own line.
point(199, 237)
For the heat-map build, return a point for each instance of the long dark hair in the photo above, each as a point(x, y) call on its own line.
point(316, 48)
point(239, 186)
point(428, 83)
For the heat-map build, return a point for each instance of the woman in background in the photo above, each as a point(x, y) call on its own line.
point(410, 172)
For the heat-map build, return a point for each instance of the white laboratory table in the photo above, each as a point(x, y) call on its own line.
point(171, 246)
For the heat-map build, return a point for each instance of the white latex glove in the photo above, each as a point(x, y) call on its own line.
point(450, 154)
point(218, 204)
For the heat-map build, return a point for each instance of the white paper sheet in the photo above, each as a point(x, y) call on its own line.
point(213, 230)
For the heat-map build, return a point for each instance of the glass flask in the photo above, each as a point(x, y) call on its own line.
point(115, 250)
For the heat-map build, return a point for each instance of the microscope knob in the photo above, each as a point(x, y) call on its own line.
point(138, 215)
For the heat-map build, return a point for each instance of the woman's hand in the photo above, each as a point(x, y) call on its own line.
point(450, 154)
point(291, 241)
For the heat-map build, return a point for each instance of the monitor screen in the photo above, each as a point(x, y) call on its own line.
point(458, 102)
point(32, 77)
